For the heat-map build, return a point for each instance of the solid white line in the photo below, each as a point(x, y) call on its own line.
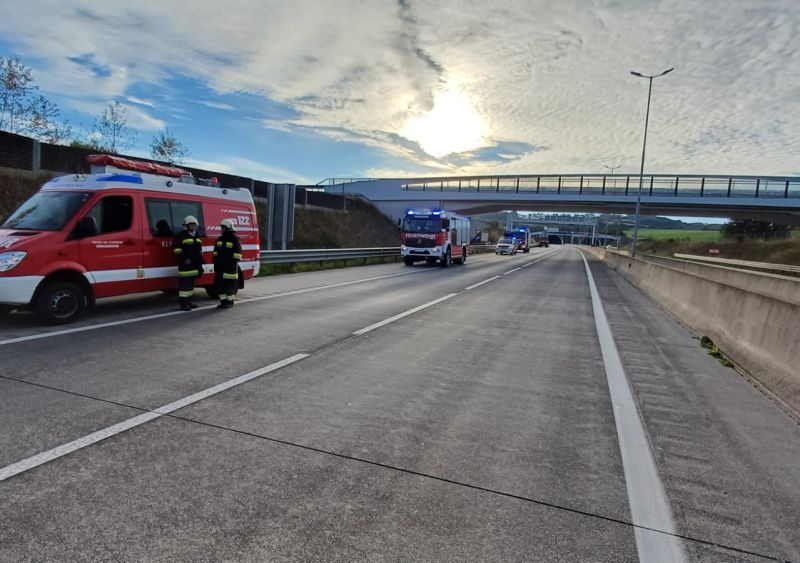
point(62, 332)
point(511, 271)
point(95, 437)
point(648, 502)
point(473, 286)
point(403, 314)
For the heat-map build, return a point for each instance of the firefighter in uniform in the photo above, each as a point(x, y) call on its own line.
point(188, 249)
point(227, 254)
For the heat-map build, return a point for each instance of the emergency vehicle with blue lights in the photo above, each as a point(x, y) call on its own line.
point(110, 232)
point(434, 236)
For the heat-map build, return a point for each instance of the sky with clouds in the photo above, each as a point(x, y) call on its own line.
point(301, 90)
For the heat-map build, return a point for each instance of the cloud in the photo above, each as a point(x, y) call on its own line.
point(535, 74)
point(140, 101)
point(249, 168)
point(216, 105)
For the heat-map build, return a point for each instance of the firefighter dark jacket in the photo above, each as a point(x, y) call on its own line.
point(188, 249)
point(227, 253)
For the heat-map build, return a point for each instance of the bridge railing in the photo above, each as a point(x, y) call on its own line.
point(624, 185)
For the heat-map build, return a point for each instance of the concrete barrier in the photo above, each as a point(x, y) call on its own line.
point(754, 321)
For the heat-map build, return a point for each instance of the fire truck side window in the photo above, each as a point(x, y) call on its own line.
point(165, 217)
point(181, 209)
point(112, 214)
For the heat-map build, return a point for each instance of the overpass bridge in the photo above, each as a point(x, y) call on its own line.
point(765, 198)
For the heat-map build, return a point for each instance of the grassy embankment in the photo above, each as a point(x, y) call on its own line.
point(670, 242)
point(362, 226)
point(16, 187)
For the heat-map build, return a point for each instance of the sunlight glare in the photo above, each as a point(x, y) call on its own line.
point(452, 126)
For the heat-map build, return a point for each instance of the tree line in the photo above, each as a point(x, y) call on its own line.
point(25, 111)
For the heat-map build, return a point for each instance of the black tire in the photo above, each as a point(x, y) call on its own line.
point(526, 250)
point(60, 302)
point(5, 310)
point(446, 259)
point(463, 255)
point(408, 261)
point(211, 291)
point(430, 261)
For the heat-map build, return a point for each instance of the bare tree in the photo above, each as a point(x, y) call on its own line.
point(16, 84)
point(24, 111)
point(41, 121)
point(166, 147)
point(110, 131)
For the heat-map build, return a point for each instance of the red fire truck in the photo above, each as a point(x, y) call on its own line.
point(434, 236)
point(84, 237)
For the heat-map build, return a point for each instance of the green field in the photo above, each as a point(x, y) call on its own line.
point(677, 234)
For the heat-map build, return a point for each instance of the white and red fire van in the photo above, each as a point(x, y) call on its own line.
point(434, 236)
point(84, 237)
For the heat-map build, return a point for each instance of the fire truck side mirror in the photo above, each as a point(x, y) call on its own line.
point(86, 227)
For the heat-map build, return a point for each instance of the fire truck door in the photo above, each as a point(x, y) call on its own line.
point(110, 246)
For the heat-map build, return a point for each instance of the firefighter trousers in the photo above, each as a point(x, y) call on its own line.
point(185, 288)
point(226, 285)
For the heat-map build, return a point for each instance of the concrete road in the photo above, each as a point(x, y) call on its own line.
point(387, 413)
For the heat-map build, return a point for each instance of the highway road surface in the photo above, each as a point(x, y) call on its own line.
point(526, 408)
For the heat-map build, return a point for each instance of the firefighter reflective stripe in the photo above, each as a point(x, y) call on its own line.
point(191, 241)
point(177, 250)
point(236, 256)
point(217, 253)
point(219, 243)
point(188, 272)
point(227, 276)
point(223, 297)
point(229, 245)
point(185, 293)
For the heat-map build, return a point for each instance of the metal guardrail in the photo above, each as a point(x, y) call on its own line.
point(323, 254)
point(742, 263)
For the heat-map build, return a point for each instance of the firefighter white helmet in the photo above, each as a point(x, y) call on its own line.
point(228, 224)
point(190, 219)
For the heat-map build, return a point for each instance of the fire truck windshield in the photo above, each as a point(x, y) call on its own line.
point(46, 211)
point(422, 225)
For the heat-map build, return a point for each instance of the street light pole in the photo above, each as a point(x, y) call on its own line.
point(644, 146)
point(612, 168)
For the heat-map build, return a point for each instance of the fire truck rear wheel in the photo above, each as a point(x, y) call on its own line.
point(211, 291)
point(60, 302)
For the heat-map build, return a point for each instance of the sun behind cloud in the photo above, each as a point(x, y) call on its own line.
point(452, 126)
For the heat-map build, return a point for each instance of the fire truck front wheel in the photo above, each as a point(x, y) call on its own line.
point(446, 259)
point(60, 302)
point(408, 261)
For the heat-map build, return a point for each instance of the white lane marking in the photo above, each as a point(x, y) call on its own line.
point(473, 286)
point(100, 435)
point(404, 314)
point(62, 332)
point(511, 271)
point(649, 505)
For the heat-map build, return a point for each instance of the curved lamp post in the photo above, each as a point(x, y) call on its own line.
point(644, 145)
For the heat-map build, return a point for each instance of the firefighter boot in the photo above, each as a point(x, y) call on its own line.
point(184, 304)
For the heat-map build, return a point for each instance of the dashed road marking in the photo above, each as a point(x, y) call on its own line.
point(100, 435)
